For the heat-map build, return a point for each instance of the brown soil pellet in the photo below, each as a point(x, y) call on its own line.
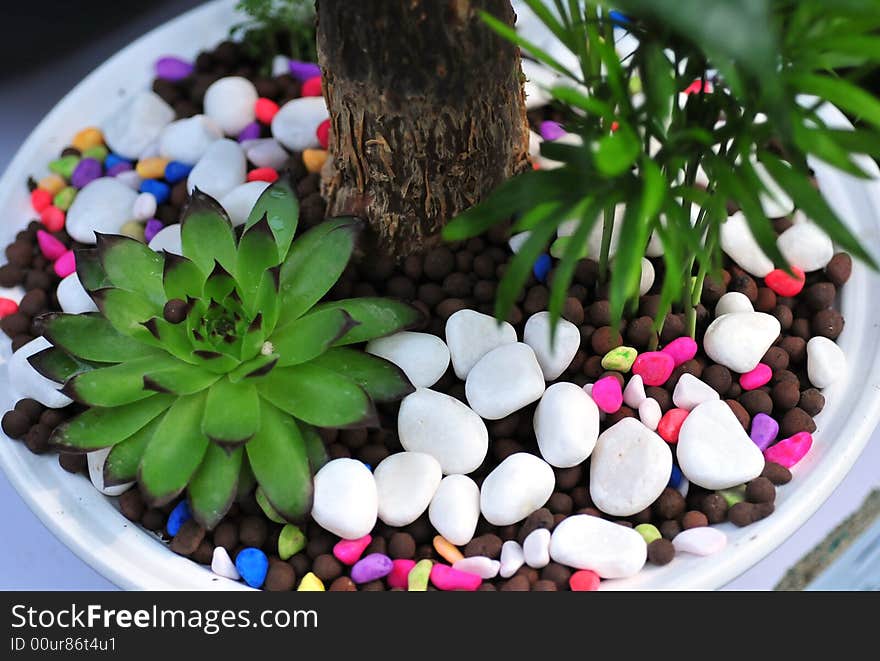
point(154, 520)
point(33, 303)
point(776, 473)
point(516, 583)
point(10, 275)
point(744, 284)
point(740, 412)
point(488, 545)
point(204, 554)
point(785, 395)
point(741, 514)
point(762, 510)
point(53, 417)
point(694, 519)
point(714, 507)
point(784, 315)
point(794, 421)
point(756, 401)
point(226, 535)
point(73, 462)
point(801, 328)
point(718, 378)
point(812, 401)
point(327, 567)
point(373, 586)
point(319, 542)
point(253, 531)
point(300, 563)
point(15, 424)
point(188, 538)
point(839, 268)
point(663, 397)
point(599, 313)
point(828, 323)
point(784, 375)
point(639, 332)
point(541, 518)
point(15, 324)
point(760, 490)
point(573, 311)
point(713, 290)
point(20, 340)
point(673, 327)
point(343, 584)
point(377, 545)
point(37, 438)
point(557, 573)
point(820, 295)
point(605, 339)
point(132, 505)
point(766, 300)
point(281, 577)
point(560, 503)
point(439, 263)
point(544, 586)
point(401, 545)
point(568, 478)
point(431, 294)
point(669, 529)
point(776, 358)
point(580, 496)
point(661, 552)
point(670, 504)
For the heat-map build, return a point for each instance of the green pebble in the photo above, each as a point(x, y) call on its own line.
point(619, 359)
point(133, 229)
point(417, 580)
point(98, 152)
point(64, 198)
point(64, 166)
point(734, 495)
point(290, 542)
point(648, 532)
point(267, 508)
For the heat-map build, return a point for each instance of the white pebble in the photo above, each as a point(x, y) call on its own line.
point(345, 498)
point(536, 548)
point(683, 487)
point(239, 202)
point(517, 240)
point(405, 484)
point(455, 509)
point(589, 542)
point(733, 301)
point(280, 65)
point(700, 541)
point(480, 565)
point(650, 413)
point(230, 102)
point(103, 205)
point(144, 206)
point(555, 355)
point(168, 239)
point(775, 202)
point(512, 558)
point(470, 335)
point(740, 339)
point(296, 123)
point(219, 170)
point(132, 128)
point(130, 179)
point(691, 391)
point(738, 242)
point(806, 246)
point(266, 153)
point(95, 461)
point(518, 486)
point(826, 362)
point(72, 296)
point(187, 140)
point(566, 424)
point(423, 357)
point(646, 279)
point(634, 393)
point(504, 380)
point(25, 381)
point(222, 565)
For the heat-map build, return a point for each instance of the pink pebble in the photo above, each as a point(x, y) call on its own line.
point(682, 349)
point(65, 265)
point(400, 570)
point(445, 577)
point(349, 551)
point(51, 247)
point(654, 367)
point(607, 394)
point(758, 377)
point(790, 450)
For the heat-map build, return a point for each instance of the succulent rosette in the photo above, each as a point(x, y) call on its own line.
point(208, 371)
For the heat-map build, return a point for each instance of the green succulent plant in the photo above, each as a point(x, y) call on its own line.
point(213, 369)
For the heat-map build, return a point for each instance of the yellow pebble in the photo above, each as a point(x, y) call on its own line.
point(151, 168)
point(314, 159)
point(53, 183)
point(446, 550)
point(133, 229)
point(310, 583)
point(88, 138)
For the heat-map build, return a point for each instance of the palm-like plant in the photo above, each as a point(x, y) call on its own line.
point(215, 366)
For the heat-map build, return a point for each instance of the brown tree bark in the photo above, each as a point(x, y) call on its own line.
point(427, 112)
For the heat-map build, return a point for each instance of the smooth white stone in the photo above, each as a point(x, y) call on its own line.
point(455, 509)
point(553, 357)
point(566, 424)
point(150, 150)
point(517, 240)
point(266, 153)
point(103, 205)
point(806, 246)
point(423, 357)
point(504, 380)
point(690, 392)
point(650, 413)
point(733, 301)
point(445, 428)
point(187, 140)
point(470, 335)
point(629, 468)
point(683, 487)
point(168, 239)
point(25, 381)
point(131, 129)
point(518, 486)
point(634, 393)
point(95, 461)
point(655, 246)
point(512, 558)
point(775, 201)
point(646, 279)
point(280, 65)
point(826, 362)
point(240, 201)
point(130, 179)
point(588, 542)
point(72, 296)
point(405, 484)
point(739, 340)
point(219, 170)
point(222, 565)
point(480, 565)
point(714, 451)
point(295, 124)
point(144, 206)
point(230, 103)
point(536, 548)
point(738, 242)
point(700, 541)
point(345, 501)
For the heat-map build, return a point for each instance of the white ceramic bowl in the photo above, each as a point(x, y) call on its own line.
point(132, 558)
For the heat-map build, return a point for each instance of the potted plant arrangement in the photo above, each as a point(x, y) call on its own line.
point(519, 311)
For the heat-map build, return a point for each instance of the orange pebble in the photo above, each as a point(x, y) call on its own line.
point(53, 183)
point(52, 218)
point(314, 159)
point(151, 168)
point(263, 174)
point(87, 138)
point(447, 551)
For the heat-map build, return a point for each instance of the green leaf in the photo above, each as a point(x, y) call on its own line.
point(279, 204)
point(219, 283)
point(373, 317)
point(214, 361)
point(381, 379)
point(279, 460)
point(179, 379)
point(315, 448)
point(172, 338)
point(310, 335)
point(824, 147)
point(617, 152)
point(254, 368)
point(548, 18)
point(126, 310)
point(131, 265)
point(89, 270)
point(314, 264)
point(118, 384)
point(125, 457)
point(658, 75)
point(98, 428)
point(213, 488)
point(589, 104)
point(232, 412)
point(257, 252)
point(175, 451)
point(206, 234)
point(57, 365)
point(318, 396)
point(181, 278)
point(842, 93)
point(91, 337)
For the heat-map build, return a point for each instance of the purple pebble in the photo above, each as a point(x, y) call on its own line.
point(551, 130)
point(116, 168)
point(87, 170)
point(304, 70)
point(764, 430)
point(152, 229)
point(371, 568)
point(249, 132)
point(173, 68)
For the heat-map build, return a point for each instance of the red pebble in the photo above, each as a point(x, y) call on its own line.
point(654, 367)
point(784, 284)
point(399, 576)
point(698, 85)
point(584, 580)
point(263, 174)
point(312, 87)
point(323, 133)
point(52, 218)
point(670, 424)
point(40, 199)
point(7, 307)
point(265, 110)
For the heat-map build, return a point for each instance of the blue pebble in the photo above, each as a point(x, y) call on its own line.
point(160, 190)
point(369, 468)
point(113, 159)
point(176, 171)
point(253, 565)
point(618, 18)
point(675, 477)
point(542, 267)
point(179, 515)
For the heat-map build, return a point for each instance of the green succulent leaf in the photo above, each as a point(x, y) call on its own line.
point(214, 361)
point(374, 317)
point(99, 428)
point(315, 448)
point(92, 337)
point(118, 384)
point(169, 337)
point(219, 284)
point(279, 204)
point(232, 412)
point(246, 480)
point(90, 271)
point(125, 457)
point(206, 234)
point(382, 380)
point(179, 379)
point(181, 278)
point(319, 396)
point(280, 462)
point(310, 335)
point(213, 488)
point(131, 265)
point(266, 301)
point(257, 252)
point(175, 451)
point(57, 365)
point(255, 367)
point(617, 153)
point(126, 310)
point(314, 264)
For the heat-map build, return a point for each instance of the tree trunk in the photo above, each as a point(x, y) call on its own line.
point(427, 112)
